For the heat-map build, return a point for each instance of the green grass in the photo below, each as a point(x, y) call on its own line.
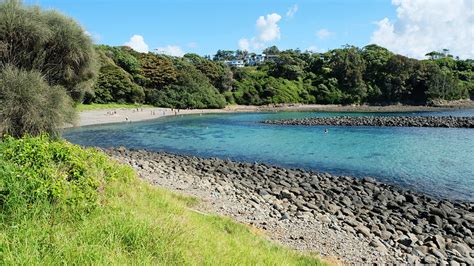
point(131, 223)
point(98, 106)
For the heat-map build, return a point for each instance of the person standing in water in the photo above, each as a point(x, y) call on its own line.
point(326, 131)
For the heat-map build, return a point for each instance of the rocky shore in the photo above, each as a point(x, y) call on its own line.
point(355, 220)
point(381, 121)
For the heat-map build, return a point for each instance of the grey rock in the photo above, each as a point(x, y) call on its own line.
point(430, 259)
point(437, 253)
point(462, 249)
point(286, 194)
point(331, 208)
point(363, 230)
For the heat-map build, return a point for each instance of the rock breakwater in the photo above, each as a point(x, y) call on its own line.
point(358, 220)
point(381, 121)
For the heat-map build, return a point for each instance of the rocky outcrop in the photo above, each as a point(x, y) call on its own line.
point(381, 121)
point(359, 220)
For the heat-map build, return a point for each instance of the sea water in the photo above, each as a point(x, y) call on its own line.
point(436, 161)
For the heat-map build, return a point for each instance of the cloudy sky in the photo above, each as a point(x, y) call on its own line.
point(408, 27)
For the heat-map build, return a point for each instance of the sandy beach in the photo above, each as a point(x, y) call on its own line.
point(122, 115)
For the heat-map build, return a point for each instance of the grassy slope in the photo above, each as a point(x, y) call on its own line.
point(136, 223)
point(98, 106)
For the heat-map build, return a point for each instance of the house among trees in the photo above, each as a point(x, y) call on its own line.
point(254, 59)
point(241, 58)
point(248, 60)
point(235, 63)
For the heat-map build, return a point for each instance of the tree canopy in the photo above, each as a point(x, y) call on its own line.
point(347, 75)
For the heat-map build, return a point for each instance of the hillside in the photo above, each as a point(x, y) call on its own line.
point(349, 75)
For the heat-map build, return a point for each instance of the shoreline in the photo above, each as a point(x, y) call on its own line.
point(122, 115)
point(357, 220)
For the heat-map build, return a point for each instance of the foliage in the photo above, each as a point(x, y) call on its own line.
point(61, 204)
point(123, 57)
point(157, 70)
point(28, 105)
point(218, 73)
point(48, 42)
point(191, 90)
point(347, 67)
point(289, 66)
point(347, 75)
point(100, 106)
point(115, 85)
point(222, 55)
point(39, 173)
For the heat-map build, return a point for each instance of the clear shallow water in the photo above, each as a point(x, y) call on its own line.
point(437, 161)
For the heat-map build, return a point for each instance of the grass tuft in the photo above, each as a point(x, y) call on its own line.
point(131, 223)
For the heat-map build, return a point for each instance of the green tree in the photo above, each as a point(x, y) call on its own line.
point(123, 57)
point(218, 73)
point(29, 105)
point(116, 85)
point(441, 83)
point(348, 66)
point(272, 50)
point(157, 70)
point(222, 55)
point(288, 66)
point(192, 89)
point(376, 58)
point(48, 42)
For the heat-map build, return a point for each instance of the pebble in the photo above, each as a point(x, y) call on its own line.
point(337, 216)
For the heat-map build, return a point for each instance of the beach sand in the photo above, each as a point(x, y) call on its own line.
point(122, 115)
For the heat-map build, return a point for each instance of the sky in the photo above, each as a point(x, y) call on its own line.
point(407, 27)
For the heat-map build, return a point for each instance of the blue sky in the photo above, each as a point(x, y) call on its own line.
point(203, 27)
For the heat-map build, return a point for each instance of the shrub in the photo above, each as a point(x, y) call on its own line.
point(116, 85)
point(37, 174)
point(46, 41)
point(28, 105)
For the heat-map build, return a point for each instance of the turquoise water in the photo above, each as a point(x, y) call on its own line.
point(437, 161)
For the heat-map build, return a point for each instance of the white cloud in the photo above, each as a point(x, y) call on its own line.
point(267, 30)
point(244, 44)
point(423, 26)
point(172, 50)
point(292, 11)
point(323, 34)
point(137, 43)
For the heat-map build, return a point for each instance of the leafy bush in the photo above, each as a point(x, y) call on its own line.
point(191, 90)
point(37, 174)
point(28, 105)
point(48, 42)
point(116, 85)
point(124, 57)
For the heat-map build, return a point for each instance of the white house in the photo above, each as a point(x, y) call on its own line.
point(255, 59)
point(235, 63)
